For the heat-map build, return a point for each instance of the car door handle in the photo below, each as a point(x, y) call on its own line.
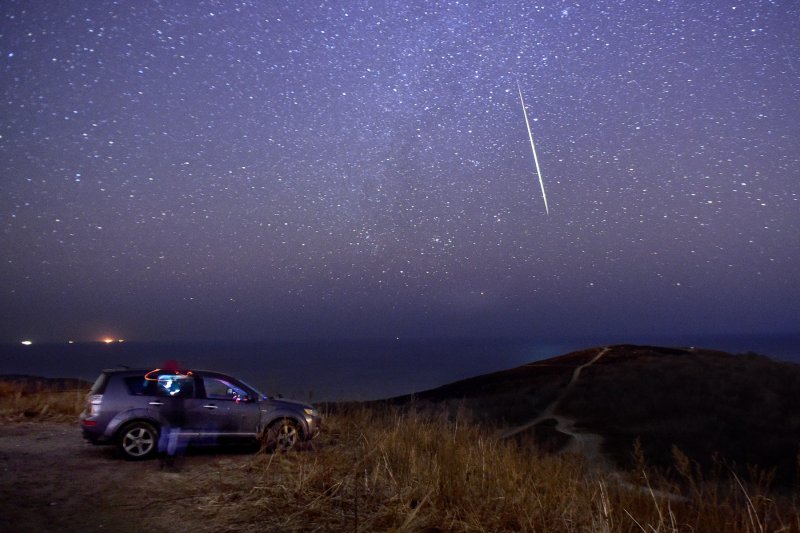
point(156, 403)
point(211, 406)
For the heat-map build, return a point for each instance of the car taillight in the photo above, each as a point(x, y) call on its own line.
point(94, 402)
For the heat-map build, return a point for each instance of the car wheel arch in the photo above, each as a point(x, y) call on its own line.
point(125, 417)
point(128, 422)
point(271, 437)
point(140, 445)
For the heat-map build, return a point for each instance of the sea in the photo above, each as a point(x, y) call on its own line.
point(344, 370)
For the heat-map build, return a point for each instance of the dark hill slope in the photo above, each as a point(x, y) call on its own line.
point(745, 409)
point(508, 397)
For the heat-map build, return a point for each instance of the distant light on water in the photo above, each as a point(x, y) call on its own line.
point(27, 343)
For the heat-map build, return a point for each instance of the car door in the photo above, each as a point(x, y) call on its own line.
point(175, 398)
point(230, 409)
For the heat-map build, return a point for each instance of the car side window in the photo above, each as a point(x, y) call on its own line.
point(175, 386)
point(219, 389)
point(139, 386)
point(164, 385)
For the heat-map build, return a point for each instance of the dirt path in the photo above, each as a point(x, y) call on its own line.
point(564, 425)
point(584, 443)
point(51, 480)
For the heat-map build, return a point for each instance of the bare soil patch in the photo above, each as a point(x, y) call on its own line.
point(51, 479)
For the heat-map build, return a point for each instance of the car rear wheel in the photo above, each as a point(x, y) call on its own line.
point(138, 441)
point(282, 435)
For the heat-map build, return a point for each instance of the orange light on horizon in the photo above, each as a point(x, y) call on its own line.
point(108, 341)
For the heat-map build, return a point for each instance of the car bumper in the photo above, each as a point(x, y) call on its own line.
point(91, 431)
point(93, 437)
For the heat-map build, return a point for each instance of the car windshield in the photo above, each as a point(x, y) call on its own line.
point(259, 394)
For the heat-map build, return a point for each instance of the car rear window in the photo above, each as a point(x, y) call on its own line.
point(100, 383)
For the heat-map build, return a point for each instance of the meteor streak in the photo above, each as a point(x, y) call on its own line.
point(533, 149)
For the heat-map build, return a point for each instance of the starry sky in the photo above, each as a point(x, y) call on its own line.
point(361, 169)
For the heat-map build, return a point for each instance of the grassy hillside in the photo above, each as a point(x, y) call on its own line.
point(508, 397)
point(382, 467)
point(722, 411)
point(385, 468)
point(737, 410)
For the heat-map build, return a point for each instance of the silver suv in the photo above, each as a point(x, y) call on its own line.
point(132, 408)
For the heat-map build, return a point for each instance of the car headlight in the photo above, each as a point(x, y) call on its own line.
point(310, 411)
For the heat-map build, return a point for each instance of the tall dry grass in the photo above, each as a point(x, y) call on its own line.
point(382, 469)
point(17, 403)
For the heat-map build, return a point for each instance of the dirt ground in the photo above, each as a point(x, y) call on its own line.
point(52, 480)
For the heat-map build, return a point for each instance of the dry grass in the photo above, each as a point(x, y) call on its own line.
point(18, 403)
point(379, 470)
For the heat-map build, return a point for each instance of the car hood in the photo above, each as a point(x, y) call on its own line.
point(277, 403)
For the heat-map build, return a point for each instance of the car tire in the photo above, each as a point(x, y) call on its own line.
point(138, 441)
point(282, 436)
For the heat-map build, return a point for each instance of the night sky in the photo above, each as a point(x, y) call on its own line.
point(350, 169)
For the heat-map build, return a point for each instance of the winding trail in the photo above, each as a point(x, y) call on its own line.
point(564, 425)
point(584, 443)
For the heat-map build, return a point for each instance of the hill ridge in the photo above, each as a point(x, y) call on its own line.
point(712, 405)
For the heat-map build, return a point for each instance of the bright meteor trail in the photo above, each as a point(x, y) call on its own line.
point(533, 149)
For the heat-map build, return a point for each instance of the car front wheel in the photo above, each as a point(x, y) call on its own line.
point(138, 441)
point(282, 435)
